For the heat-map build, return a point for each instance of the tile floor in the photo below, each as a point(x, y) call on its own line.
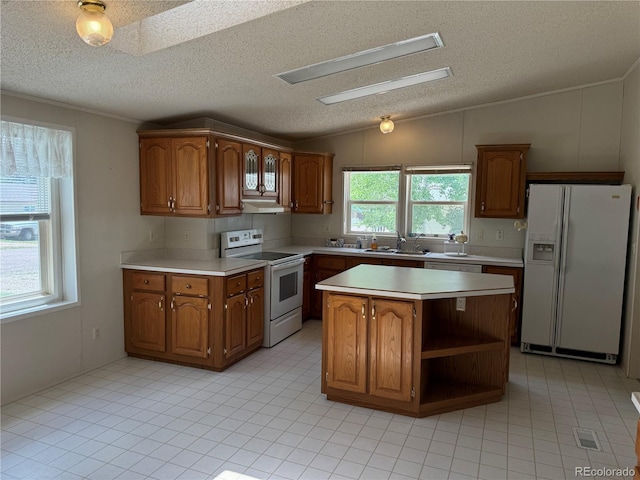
point(265, 418)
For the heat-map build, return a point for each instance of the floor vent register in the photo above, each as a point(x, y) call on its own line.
point(586, 438)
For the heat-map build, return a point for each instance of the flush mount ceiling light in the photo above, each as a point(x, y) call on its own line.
point(384, 87)
point(361, 59)
point(386, 125)
point(93, 26)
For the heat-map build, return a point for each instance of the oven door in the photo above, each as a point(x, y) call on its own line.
point(286, 287)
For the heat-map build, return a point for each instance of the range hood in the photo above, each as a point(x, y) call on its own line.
point(261, 206)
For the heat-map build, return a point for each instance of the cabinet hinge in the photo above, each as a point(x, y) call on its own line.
point(520, 156)
point(132, 298)
point(207, 143)
point(224, 351)
point(415, 314)
point(217, 208)
point(413, 392)
point(326, 376)
point(215, 145)
point(208, 351)
point(209, 208)
point(518, 210)
point(209, 306)
point(226, 306)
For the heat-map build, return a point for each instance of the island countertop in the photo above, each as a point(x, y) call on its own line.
point(416, 283)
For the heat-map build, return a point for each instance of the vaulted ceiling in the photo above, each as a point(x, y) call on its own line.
point(172, 60)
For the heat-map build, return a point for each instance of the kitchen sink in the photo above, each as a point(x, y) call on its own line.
point(397, 252)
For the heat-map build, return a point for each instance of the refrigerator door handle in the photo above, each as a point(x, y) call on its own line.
point(564, 242)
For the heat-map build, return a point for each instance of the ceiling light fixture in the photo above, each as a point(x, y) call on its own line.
point(93, 26)
point(386, 125)
point(363, 58)
point(384, 87)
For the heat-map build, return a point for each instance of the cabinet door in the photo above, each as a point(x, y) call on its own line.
point(391, 355)
point(251, 165)
point(347, 343)
point(190, 326)
point(255, 317)
point(155, 176)
point(228, 177)
point(515, 320)
point(190, 176)
point(285, 181)
point(269, 173)
point(501, 182)
point(308, 187)
point(148, 321)
point(235, 331)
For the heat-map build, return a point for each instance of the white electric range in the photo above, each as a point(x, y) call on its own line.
point(283, 282)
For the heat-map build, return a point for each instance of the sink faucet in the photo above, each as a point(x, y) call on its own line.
point(400, 241)
point(415, 241)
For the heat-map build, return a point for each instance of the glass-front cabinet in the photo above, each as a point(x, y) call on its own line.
point(260, 171)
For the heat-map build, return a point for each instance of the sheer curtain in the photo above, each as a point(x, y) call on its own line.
point(35, 151)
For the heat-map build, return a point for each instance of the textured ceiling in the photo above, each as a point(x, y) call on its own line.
point(497, 51)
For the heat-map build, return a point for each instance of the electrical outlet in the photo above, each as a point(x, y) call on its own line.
point(461, 303)
point(479, 234)
point(152, 235)
point(187, 235)
point(325, 228)
point(499, 234)
point(96, 333)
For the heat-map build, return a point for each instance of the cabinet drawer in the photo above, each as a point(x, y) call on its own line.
point(148, 281)
point(236, 284)
point(190, 285)
point(334, 263)
point(255, 279)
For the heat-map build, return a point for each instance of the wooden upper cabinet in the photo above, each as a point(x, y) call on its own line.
point(174, 176)
point(286, 168)
point(501, 179)
point(190, 176)
point(155, 176)
point(228, 177)
point(259, 171)
point(312, 183)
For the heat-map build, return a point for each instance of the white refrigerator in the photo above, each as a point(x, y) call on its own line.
point(574, 270)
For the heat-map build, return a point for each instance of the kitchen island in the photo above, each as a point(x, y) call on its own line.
point(415, 341)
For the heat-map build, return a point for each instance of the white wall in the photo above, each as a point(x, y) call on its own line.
point(575, 130)
point(46, 349)
point(630, 163)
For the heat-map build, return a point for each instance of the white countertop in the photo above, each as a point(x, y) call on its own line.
point(218, 267)
point(416, 283)
point(635, 398)
point(430, 257)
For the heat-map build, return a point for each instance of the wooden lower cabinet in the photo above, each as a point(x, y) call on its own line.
point(203, 321)
point(417, 358)
point(148, 321)
point(515, 323)
point(308, 286)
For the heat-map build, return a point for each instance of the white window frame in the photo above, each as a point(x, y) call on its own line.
point(58, 248)
point(348, 203)
point(436, 170)
point(404, 203)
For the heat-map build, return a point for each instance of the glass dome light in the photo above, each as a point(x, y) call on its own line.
point(386, 125)
point(93, 26)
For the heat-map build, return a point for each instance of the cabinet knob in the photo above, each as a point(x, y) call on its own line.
point(188, 285)
point(146, 282)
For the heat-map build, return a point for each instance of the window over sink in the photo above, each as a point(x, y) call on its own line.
point(431, 201)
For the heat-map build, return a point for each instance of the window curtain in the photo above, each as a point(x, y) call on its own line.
point(35, 151)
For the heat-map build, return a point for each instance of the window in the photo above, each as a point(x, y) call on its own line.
point(431, 201)
point(371, 200)
point(37, 240)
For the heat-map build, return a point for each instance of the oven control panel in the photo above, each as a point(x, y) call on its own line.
point(241, 238)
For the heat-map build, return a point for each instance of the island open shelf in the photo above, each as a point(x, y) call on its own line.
point(426, 342)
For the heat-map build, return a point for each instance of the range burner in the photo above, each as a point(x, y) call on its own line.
point(269, 256)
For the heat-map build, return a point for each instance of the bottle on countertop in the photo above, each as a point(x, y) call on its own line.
point(359, 242)
point(374, 243)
